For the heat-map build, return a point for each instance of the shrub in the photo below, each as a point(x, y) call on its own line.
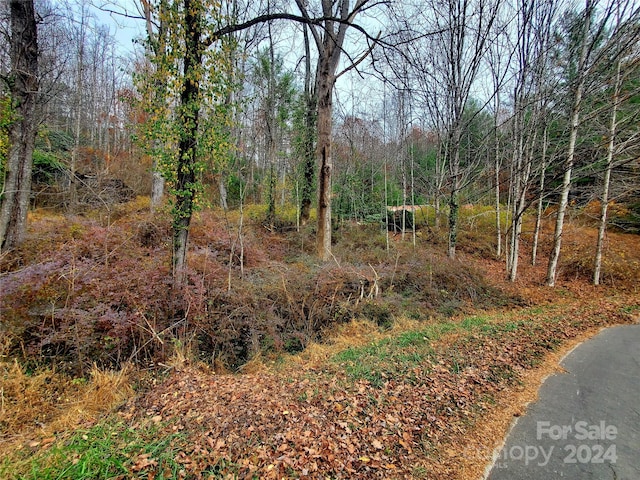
point(378, 313)
point(82, 291)
point(620, 260)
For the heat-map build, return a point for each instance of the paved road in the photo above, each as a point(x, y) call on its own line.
point(586, 422)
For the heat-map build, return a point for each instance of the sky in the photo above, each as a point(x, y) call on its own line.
point(116, 14)
point(354, 94)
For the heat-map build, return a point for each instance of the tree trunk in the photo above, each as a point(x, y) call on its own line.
point(524, 173)
point(157, 43)
point(575, 119)
point(157, 186)
point(517, 187)
point(14, 201)
point(270, 136)
point(329, 38)
point(607, 179)
point(440, 176)
point(557, 237)
point(454, 201)
point(454, 208)
point(543, 167)
point(223, 193)
point(325, 108)
point(496, 169)
point(307, 141)
point(187, 146)
point(79, 107)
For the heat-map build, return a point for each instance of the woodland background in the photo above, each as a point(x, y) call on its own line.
point(308, 239)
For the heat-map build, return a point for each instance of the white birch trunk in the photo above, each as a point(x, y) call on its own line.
point(607, 180)
point(536, 233)
point(552, 268)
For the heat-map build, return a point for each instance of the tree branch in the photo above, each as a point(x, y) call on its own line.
point(355, 63)
point(319, 21)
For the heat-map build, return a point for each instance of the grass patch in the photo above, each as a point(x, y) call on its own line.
point(43, 401)
point(107, 450)
point(398, 357)
point(473, 322)
point(392, 357)
point(630, 309)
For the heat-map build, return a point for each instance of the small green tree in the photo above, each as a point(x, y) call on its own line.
point(276, 93)
point(187, 120)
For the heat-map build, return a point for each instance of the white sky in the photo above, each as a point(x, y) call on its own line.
point(115, 14)
point(351, 87)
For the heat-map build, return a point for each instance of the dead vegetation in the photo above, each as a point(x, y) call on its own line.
point(97, 289)
point(35, 406)
point(88, 307)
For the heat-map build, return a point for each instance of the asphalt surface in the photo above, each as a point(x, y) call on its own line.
point(586, 422)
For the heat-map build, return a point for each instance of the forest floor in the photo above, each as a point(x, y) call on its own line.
point(440, 407)
point(422, 399)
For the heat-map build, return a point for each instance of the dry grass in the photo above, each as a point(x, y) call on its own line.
point(621, 256)
point(36, 406)
point(354, 334)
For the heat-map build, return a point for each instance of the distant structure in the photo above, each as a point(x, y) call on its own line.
point(396, 213)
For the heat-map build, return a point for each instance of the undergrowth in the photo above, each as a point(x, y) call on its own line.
point(86, 297)
point(44, 401)
point(107, 450)
point(97, 289)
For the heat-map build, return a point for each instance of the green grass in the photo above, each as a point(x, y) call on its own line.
point(630, 309)
point(392, 357)
point(473, 322)
point(105, 451)
point(399, 356)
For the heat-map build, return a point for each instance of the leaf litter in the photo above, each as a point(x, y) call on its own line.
point(440, 420)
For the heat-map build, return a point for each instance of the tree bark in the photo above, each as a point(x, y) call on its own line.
point(157, 47)
point(454, 201)
point(607, 179)
point(496, 172)
point(325, 109)
point(157, 186)
point(307, 140)
point(79, 110)
point(14, 201)
point(270, 135)
point(329, 50)
point(575, 119)
point(543, 167)
point(187, 146)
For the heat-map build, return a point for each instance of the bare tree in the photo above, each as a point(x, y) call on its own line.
point(607, 176)
point(628, 35)
point(496, 62)
point(530, 107)
point(78, 29)
point(541, 192)
point(590, 29)
point(456, 38)
point(329, 36)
